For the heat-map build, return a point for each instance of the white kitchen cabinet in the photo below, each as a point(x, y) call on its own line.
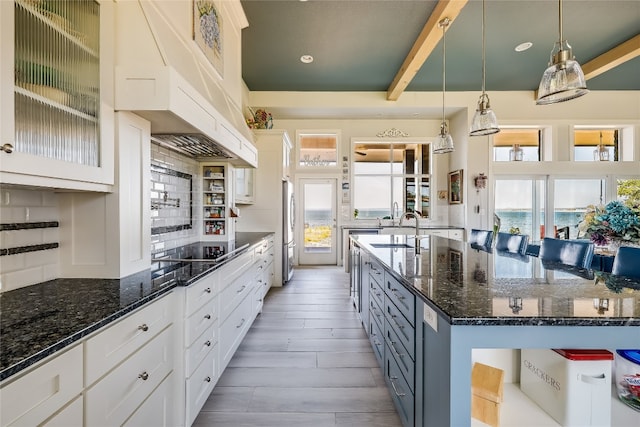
point(56, 94)
point(113, 399)
point(157, 410)
point(37, 395)
point(116, 343)
point(71, 415)
point(244, 188)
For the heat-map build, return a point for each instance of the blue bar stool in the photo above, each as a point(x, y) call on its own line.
point(627, 262)
point(481, 237)
point(577, 253)
point(513, 243)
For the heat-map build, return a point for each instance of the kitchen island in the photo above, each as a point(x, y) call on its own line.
point(469, 298)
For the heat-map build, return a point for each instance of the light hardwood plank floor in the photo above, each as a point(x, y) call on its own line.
point(306, 361)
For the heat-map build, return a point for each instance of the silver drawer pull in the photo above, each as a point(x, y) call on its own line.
point(208, 379)
point(144, 376)
point(143, 327)
point(208, 290)
point(208, 343)
point(241, 289)
point(207, 316)
point(241, 322)
point(376, 342)
point(395, 390)
point(395, 292)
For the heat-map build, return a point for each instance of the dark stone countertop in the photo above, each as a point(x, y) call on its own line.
point(473, 286)
point(38, 320)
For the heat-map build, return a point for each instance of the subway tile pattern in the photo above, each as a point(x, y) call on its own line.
point(172, 227)
point(29, 237)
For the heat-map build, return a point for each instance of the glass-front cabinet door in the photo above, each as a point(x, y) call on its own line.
point(54, 115)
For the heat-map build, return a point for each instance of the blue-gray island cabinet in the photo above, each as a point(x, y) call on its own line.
point(466, 299)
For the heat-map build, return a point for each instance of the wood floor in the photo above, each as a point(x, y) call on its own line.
point(306, 361)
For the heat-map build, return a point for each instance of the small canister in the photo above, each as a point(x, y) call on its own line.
point(628, 377)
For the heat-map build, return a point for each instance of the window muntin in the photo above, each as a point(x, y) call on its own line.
point(385, 177)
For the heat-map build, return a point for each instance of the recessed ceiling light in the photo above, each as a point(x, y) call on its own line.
point(523, 46)
point(307, 59)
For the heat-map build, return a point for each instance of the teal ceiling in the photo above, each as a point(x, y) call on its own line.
point(359, 45)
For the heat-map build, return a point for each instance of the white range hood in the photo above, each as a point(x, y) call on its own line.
point(162, 76)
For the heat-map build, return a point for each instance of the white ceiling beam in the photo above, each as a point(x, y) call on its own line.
point(424, 45)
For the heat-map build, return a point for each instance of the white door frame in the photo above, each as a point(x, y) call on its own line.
point(303, 258)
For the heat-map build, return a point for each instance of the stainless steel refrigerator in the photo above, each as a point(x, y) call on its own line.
point(288, 228)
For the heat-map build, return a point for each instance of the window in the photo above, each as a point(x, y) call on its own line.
point(595, 145)
point(517, 145)
point(391, 178)
point(628, 192)
point(318, 150)
point(519, 204)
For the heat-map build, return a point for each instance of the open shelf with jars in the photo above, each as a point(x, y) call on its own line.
point(215, 201)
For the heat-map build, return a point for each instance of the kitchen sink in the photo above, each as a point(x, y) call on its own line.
point(390, 245)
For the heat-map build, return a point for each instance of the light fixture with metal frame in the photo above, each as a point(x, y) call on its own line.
point(563, 79)
point(444, 141)
point(484, 120)
point(601, 153)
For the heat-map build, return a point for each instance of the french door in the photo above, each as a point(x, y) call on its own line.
point(319, 234)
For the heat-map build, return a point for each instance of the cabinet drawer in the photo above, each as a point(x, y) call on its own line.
point(111, 346)
point(114, 398)
point(233, 329)
point(200, 349)
point(401, 327)
point(375, 290)
point(72, 415)
point(376, 314)
point(401, 297)
point(200, 321)
point(403, 358)
point(200, 385)
point(157, 410)
point(233, 294)
point(401, 394)
point(376, 272)
point(201, 293)
point(36, 396)
point(455, 234)
point(377, 342)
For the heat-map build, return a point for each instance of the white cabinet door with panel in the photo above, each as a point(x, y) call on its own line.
point(37, 395)
point(56, 91)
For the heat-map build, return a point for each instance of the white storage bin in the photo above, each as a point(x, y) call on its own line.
point(573, 386)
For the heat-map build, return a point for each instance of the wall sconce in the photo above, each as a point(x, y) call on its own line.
point(515, 304)
point(480, 182)
point(601, 305)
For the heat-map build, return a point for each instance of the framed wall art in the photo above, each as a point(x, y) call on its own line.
point(455, 187)
point(208, 32)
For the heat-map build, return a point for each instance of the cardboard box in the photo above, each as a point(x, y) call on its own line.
point(573, 386)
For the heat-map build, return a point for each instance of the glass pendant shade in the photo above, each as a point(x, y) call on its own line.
point(516, 154)
point(563, 79)
point(601, 153)
point(444, 142)
point(484, 120)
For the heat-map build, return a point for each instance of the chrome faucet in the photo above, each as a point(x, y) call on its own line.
point(394, 212)
point(417, 217)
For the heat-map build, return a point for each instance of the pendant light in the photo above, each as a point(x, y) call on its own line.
point(484, 120)
point(601, 154)
point(563, 79)
point(516, 154)
point(444, 141)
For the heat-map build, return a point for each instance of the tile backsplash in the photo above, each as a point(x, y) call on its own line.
point(179, 221)
point(26, 206)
